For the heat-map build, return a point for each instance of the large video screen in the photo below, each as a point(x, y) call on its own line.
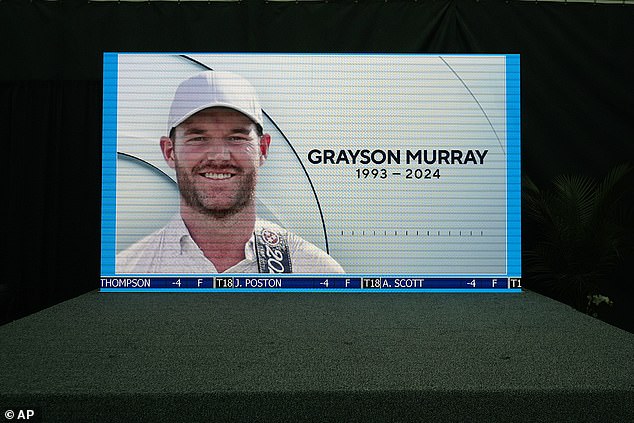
point(339, 172)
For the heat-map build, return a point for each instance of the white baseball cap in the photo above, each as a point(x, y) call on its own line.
point(214, 89)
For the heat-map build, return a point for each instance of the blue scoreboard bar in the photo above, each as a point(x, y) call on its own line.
point(337, 283)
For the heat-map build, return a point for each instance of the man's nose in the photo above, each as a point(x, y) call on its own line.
point(218, 151)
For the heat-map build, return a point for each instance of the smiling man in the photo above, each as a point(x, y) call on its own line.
point(216, 145)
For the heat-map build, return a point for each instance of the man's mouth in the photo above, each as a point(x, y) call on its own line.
point(217, 176)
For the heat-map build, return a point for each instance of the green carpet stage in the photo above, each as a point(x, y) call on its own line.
point(316, 357)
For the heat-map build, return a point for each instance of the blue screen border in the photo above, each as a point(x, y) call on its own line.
point(109, 163)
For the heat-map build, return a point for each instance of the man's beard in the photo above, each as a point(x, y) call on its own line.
point(198, 200)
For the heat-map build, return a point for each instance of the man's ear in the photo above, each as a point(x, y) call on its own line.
point(167, 147)
point(265, 142)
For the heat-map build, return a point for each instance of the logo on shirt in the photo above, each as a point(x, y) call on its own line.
point(272, 252)
point(270, 237)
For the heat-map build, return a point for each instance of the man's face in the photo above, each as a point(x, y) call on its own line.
point(216, 154)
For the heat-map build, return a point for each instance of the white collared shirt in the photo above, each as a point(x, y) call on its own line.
point(172, 250)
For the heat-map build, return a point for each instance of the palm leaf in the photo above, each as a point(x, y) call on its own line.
point(581, 231)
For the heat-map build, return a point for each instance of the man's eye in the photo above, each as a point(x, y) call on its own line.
point(197, 139)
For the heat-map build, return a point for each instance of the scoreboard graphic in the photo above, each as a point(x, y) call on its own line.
point(258, 283)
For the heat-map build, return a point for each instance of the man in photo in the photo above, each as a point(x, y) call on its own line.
point(216, 145)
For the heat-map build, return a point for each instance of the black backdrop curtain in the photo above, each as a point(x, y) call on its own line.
point(52, 173)
point(577, 102)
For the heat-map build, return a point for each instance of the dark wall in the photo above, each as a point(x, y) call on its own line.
point(577, 102)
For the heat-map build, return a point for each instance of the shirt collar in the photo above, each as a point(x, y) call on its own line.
point(178, 233)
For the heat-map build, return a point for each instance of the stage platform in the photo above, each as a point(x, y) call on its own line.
point(316, 357)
